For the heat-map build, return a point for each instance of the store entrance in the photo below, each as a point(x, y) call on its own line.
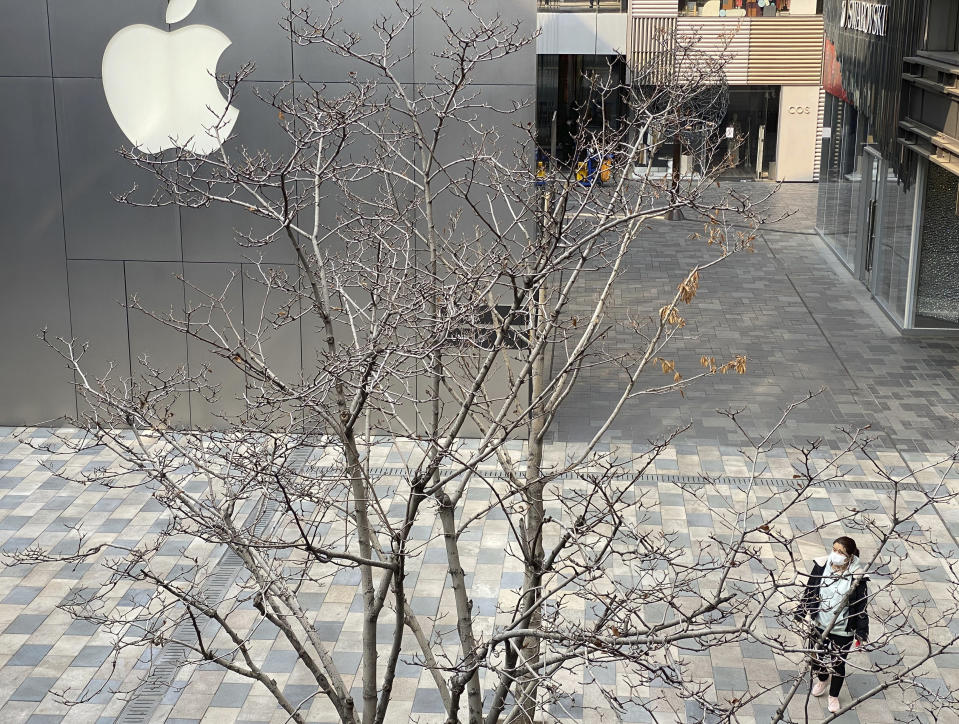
point(751, 130)
point(567, 99)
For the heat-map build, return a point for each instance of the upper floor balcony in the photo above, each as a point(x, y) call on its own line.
point(582, 6)
point(748, 8)
point(731, 9)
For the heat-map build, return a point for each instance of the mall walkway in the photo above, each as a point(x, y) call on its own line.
point(804, 324)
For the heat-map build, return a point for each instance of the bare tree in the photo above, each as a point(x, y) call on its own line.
point(455, 296)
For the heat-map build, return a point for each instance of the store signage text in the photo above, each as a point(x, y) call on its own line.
point(866, 17)
point(799, 110)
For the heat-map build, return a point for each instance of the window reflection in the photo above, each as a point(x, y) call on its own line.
point(937, 294)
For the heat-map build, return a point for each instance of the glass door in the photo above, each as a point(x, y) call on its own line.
point(869, 229)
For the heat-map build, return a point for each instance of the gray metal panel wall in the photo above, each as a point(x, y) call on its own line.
point(97, 226)
point(99, 315)
point(215, 233)
point(24, 38)
point(154, 285)
point(33, 275)
point(56, 130)
point(220, 281)
point(316, 63)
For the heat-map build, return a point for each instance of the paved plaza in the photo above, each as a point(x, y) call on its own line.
point(789, 307)
point(44, 652)
point(803, 323)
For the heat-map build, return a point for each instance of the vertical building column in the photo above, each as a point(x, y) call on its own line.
point(798, 133)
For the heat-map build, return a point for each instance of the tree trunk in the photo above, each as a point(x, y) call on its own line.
point(535, 514)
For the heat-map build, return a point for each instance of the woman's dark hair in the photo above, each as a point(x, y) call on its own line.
point(848, 545)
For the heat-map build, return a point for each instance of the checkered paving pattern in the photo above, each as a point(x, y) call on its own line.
point(43, 652)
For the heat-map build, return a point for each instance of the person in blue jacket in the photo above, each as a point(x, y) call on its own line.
point(826, 594)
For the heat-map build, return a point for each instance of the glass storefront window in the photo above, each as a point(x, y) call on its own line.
point(937, 293)
point(840, 179)
point(895, 238)
point(565, 88)
point(753, 116)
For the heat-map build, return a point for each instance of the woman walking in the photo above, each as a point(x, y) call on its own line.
point(827, 596)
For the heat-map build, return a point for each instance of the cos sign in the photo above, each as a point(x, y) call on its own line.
point(799, 110)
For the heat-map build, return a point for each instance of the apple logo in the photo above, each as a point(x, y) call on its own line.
point(161, 86)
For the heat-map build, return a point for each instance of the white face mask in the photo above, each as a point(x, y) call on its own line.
point(838, 559)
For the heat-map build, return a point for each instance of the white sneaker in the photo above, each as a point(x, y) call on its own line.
point(834, 704)
point(819, 687)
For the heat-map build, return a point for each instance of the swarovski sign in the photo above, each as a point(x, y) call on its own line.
point(866, 17)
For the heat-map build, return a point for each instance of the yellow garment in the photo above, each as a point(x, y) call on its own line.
point(605, 171)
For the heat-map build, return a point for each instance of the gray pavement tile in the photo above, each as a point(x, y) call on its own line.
point(172, 695)
point(484, 606)
point(25, 623)
point(434, 555)
point(696, 714)
point(329, 630)
point(671, 499)
point(231, 695)
point(425, 605)
point(12, 545)
point(29, 655)
point(347, 577)
point(33, 688)
point(279, 661)
point(347, 661)
point(45, 719)
point(100, 691)
point(14, 522)
point(491, 555)
point(850, 717)
point(265, 631)
point(300, 694)
point(567, 706)
point(81, 627)
point(60, 502)
point(820, 504)
point(74, 571)
point(114, 525)
point(428, 701)
point(754, 650)
point(152, 505)
point(135, 597)
point(12, 501)
point(600, 673)
point(728, 677)
point(511, 579)
point(92, 656)
point(22, 595)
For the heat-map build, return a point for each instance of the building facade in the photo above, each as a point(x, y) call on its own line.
point(772, 51)
point(890, 182)
point(73, 255)
point(576, 38)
